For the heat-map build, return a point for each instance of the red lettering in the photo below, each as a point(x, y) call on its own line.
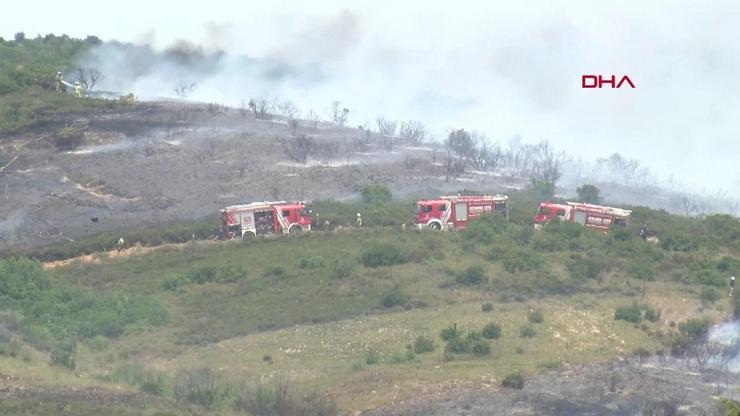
point(589, 77)
point(603, 81)
point(598, 81)
point(626, 78)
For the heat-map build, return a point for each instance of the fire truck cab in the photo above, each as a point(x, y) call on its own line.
point(589, 215)
point(264, 218)
point(457, 211)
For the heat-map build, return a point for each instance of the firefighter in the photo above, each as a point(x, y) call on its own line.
point(732, 286)
point(78, 90)
point(358, 220)
point(120, 245)
point(644, 231)
point(58, 82)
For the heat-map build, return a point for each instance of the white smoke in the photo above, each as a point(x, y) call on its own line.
point(728, 334)
point(501, 69)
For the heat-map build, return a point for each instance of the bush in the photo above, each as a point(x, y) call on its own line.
point(513, 381)
point(694, 329)
point(473, 275)
point(521, 260)
point(535, 316)
point(394, 297)
point(69, 138)
point(172, 283)
point(527, 331)
point(652, 314)
point(201, 387)
point(486, 307)
point(480, 347)
point(456, 346)
point(424, 344)
point(491, 331)
point(376, 195)
point(315, 262)
point(589, 267)
point(274, 271)
point(372, 357)
point(485, 229)
point(589, 194)
point(383, 255)
point(64, 355)
point(709, 295)
point(641, 271)
point(450, 333)
point(221, 274)
point(628, 313)
point(341, 268)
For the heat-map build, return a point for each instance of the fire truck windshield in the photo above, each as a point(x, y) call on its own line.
point(544, 211)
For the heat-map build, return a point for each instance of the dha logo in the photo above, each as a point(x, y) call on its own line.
point(598, 81)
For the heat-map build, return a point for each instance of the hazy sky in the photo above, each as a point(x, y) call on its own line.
point(504, 68)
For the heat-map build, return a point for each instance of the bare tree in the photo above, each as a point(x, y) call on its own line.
point(454, 165)
point(412, 132)
point(288, 110)
point(88, 77)
point(386, 127)
point(298, 148)
point(461, 142)
point(703, 357)
point(338, 115)
point(687, 206)
point(184, 88)
point(313, 118)
point(261, 108)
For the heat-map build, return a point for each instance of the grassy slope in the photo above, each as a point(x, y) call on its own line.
point(578, 327)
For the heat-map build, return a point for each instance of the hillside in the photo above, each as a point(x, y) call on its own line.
point(316, 312)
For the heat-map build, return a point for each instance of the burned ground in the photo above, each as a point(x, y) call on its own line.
point(165, 162)
point(616, 388)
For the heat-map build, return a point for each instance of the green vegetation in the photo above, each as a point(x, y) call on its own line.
point(589, 194)
point(513, 381)
point(183, 322)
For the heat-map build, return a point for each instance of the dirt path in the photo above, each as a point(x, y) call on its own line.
point(137, 250)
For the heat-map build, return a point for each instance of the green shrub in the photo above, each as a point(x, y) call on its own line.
point(314, 262)
point(201, 387)
point(376, 195)
point(527, 331)
point(424, 344)
point(383, 255)
point(473, 275)
point(485, 229)
point(641, 271)
point(274, 271)
point(694, 328)
point(709, 295)
point(450, 333)
point(64, 355)
point(153, 385)
point(589, 267)
point(491, 331)
point(486, 307)
point(652, 314)
point(173, 283)
point(394, 297)
point(221, 274)
point(628, 313)
point(535, 316)
point(589, 194)
point(513, 381)
point(341, 268)
point(521, 260)
point(372, 357)
point(480, 347)
point(456, 346)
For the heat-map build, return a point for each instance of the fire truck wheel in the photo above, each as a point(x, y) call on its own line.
point(296, 229)
point(435, 226)
point(248, 235)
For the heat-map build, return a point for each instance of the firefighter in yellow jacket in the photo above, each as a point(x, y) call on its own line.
point(58, 82)
point(78, 90)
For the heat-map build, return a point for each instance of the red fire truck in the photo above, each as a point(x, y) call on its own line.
point(450, 212)
point(591, 216)
point(263, 218)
